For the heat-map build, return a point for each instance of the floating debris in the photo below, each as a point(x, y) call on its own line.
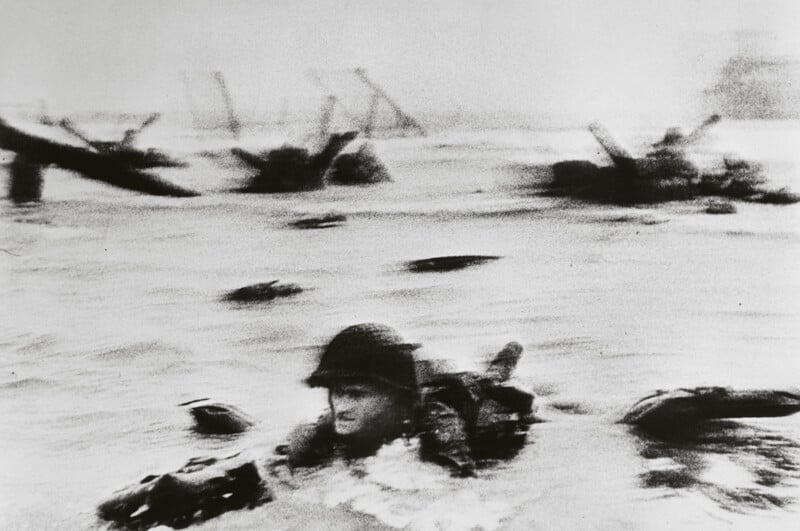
point(321, 222)
point(264, 291)
point(218, 419)
point(720, 207)
point(202, 489)
point(572, 408)
point(778, 197)
point(449, 263)
point(631, 218)
point(680, 407)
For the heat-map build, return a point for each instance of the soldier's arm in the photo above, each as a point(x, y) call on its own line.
point(309, 444)
point(443, 438)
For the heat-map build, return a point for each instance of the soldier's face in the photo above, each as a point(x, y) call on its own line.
point(361, 408)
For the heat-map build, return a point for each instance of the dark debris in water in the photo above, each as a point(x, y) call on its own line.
point(673, 479)
point(573, 408)
point(720, 207)
point(778, 197)
point(644, 220)
point(200, 490)
point(264, 291)
point(320, 222)
point(448, 263)
point(212, 418)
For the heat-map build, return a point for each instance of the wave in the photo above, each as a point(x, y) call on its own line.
point(27, 384)
point(141, 350)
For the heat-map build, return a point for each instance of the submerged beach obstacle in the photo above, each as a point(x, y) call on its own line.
point(38, 152)
point(124, 149)
point(663, 174)
point(263, 291)
point(290, 168)
point(214, 418)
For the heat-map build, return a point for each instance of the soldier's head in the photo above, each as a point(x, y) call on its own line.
point(370, 375)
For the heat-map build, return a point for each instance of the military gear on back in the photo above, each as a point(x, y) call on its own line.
point(468, 416)
point(367, 351)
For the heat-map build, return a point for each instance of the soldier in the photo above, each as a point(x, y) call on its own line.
point(374, 397)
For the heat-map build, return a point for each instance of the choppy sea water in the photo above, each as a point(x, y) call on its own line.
point(113, 316)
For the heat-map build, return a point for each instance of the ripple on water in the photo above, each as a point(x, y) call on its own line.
point(27, 384)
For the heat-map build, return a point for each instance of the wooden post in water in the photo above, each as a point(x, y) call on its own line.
point(25, 184)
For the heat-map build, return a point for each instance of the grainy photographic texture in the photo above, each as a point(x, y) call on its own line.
point(399, 265)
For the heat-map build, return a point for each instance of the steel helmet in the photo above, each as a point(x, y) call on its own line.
point(367, 351)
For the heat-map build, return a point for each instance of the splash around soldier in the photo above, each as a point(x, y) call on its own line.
point(378, 392)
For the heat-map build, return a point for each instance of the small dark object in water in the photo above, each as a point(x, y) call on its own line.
point(720, 207)
point(672, 409)
point(322, 222)
point(449, 263)
point(219, 419)
point(264, 291)
point(778, 197)
point(573, 408)
point(203, 488)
